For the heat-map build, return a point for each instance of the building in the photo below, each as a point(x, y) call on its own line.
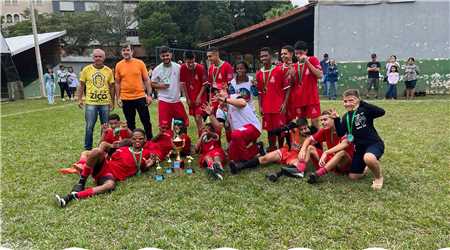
point(14, 11)
point(350, 30)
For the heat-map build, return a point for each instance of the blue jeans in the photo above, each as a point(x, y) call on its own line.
point(90, 115)
point(392, 91)
point(324, 86)
point(331, 89)
point(50, 93)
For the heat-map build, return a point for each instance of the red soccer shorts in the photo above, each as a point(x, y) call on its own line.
point(243, 143)
point(309, 111)
point(105, 172)
point(217, 152)
point(167, 111)
point(338, 170)
point(287, 156)
point(273, 121)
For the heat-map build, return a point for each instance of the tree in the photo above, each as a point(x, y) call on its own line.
point(158, 29)
point(279, 10)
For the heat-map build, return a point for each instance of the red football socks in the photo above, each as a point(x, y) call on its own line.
point(301, 166)
point(86, 171)
point(321, 172)
point(85, 193)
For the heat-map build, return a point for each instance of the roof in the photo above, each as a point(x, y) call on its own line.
point(4, 49)
point(19, 44)
point(264, 24)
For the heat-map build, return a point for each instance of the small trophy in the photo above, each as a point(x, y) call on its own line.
point(189, 169)
point(178, 146)
point(159, 172)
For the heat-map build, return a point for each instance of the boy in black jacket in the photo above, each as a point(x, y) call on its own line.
point(357, 124)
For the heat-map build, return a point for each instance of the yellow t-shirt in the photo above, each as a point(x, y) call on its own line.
point(98, 82)
point(131, 74)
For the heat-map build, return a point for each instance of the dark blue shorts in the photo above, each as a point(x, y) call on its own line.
point(358, 163)
point(410, 84)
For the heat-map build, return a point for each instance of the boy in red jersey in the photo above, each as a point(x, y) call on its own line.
point(212, 156)
point(220, 73)
point(271, 87)
point(304, 98)
point(112, 134)
point(192, 78)
point(329, 160)
point(125, 162)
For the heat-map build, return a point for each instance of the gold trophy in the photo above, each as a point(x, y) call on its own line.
point(178, 144)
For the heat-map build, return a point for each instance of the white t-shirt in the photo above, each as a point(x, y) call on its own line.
point(234, 88)
point(73, 80)
point(168, 75)
point(239, 117)
point(62, 75)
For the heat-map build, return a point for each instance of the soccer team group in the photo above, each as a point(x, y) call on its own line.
point(299, 133)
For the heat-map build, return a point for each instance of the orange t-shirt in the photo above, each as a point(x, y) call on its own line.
point(131, 74)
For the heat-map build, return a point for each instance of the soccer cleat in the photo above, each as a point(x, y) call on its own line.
point(60, 201)
point(292, 172)
point(78, 187)
point(233, 167)
point(313, 178)
point(218, 170)
point(272, 177)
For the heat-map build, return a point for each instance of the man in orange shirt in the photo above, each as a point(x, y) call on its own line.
point(133, 90)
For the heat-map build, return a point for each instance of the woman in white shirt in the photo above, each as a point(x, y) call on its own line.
point(73, 82)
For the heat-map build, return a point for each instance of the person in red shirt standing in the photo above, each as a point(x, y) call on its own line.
point(192, 78)
point(271, 88)
point(125, 162)
point(220, 73)
point(287, 67)
point(304, 99)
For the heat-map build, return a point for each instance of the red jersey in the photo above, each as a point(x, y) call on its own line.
point(207, 146)
point(160, 145)
point(193, 80)
point(187, 144)
point(306, 92)
point(110, 137)
point(220, 76)
point(122, 164)
point(271, 86)
point(331, 138)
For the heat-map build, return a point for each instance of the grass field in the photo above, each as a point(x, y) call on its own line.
point(412, 211)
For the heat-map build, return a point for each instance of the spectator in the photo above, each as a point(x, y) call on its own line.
point(150, 72)
point(62, 82)
point(411, 72)
point(393, 78)
point(373, 75)
point(134, 90)
point(50, 79)
point(98, 80)
point(73, 82)
point(243, 80)
point(332, 78)
point(391, 61)
point(325, 63)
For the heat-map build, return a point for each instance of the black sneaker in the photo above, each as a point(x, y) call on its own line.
point(218, 170)
point(261, 149)
point(233, 167)
point(272, 177)
point(292, 172)
point(312, 178)
point(78, 187)
point(62, 202)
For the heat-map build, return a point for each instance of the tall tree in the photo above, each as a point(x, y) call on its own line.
point(278, 10)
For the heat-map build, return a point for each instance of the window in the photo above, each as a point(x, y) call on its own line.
point(90, 6)
point(9, 18)
point(16, 18)
point(66, 6)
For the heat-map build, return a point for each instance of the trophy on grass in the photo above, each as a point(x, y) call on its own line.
point(159, 171)
point(188, 169)
point(178, 144)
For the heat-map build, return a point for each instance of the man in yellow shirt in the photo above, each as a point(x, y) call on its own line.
point(99, 82)
point(133, 90)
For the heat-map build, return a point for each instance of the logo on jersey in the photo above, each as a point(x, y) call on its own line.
point(272, 79)
point(98, 80)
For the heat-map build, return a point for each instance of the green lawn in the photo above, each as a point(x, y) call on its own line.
point(245, 211)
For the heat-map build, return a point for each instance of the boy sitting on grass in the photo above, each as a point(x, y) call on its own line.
point(113, 133)
point(358, 125)
point(331, 159)
point(125, 162)
point(212, 156)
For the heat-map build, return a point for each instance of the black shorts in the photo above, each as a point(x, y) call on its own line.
point(410, 84)
point(358, 163)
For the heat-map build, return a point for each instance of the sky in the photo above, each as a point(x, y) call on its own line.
point(299, 2)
